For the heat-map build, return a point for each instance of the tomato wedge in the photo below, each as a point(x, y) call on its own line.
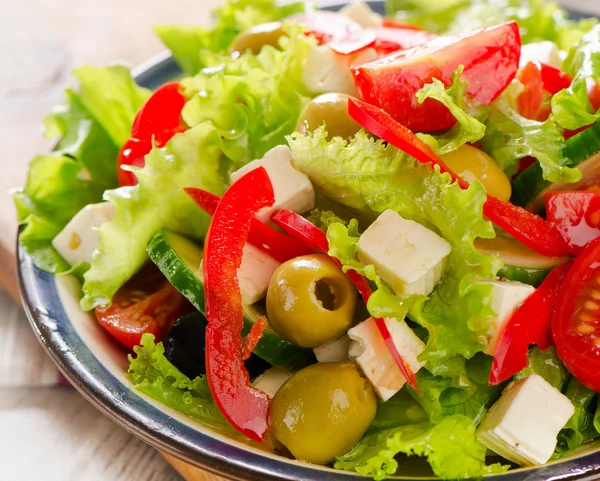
point(391, 39)
point(490, 57)
point(576, 215)
point(148, 304)
point(529, 103)
point(576, 319)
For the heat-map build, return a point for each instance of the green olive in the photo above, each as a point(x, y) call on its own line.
point(255, 38)
point(331, 110)
point(471, 163)
point(322, 411)
point(310, 301)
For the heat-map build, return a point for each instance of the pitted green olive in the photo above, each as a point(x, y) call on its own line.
point(331, 110)
point(322, 411)
point(310, 301)
point(255, 38)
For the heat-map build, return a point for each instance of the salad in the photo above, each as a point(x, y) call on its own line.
point(345, 237)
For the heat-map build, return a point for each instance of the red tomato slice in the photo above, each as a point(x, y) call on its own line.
point(576, 319)
point(391, 23)
point(146, 304)
point(576, 215)
point(490, 57)
point(327, 26)
point(531, 99)
point(389, 40)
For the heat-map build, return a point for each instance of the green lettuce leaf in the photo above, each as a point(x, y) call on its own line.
point(186, 42)
point(510, 137)
point(235, 92)
point(450, 447)
point(190, 159)
point(400, 410)
point(467, 130)
point(546, 364)
point(538, 19)
point(577, 430)
point(369, 177)
point(442, 396)
point(571, 107)
point(151, 373)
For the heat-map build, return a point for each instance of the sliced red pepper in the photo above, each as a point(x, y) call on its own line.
point(526, 227)
point(297, 226)
point(156, 123)
point(529, 324)
point(576, 215)
point(554, 79)
point(279, 246)
point(245, 407)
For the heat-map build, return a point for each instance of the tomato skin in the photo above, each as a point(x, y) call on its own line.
point(575, 328)
point(147, 308)
point(132, 153)
point(490, 57)
point(576, 215)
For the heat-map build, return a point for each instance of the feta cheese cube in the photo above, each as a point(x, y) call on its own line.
point(362, 14)
point(545, 52)
point(507, 296)
point(271, 380)
point(523, 424)
point(326, 71)
point(369, 351)
point(254, 274)
point(293, 190)
point(334, 351)
point(80, 238)
point(408, 256)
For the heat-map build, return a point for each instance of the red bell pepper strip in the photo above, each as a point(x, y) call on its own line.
point(245, 407)
point(297, 226)
point(576, 215)
point(157, 122)
point(529, 324)
point(554, 79)
point(526, 227)
point(279, 246)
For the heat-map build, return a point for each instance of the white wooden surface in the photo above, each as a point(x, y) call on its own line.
point(51, 433)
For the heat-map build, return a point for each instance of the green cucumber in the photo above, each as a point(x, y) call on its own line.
point(528, 188)
point(520, 263)
point(179, 260)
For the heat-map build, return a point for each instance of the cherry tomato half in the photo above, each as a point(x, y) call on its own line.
point(146, 304)
point(576, 319)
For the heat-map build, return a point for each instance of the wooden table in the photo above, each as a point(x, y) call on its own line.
point(40, 42)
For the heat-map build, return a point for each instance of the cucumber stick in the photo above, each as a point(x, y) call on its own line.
point(529, 186)
point(520, 263)
point(179, 260)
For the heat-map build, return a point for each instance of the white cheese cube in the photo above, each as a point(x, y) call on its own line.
point(80, 238)
point(408, 256)
point(545, 52)
point(362, 14)
point(293, 190)
point(507, 296)
point(271, 380)
point(326, 71)
point(334, 351)
point(523, 424)
point(254, 274)
point(369, 352)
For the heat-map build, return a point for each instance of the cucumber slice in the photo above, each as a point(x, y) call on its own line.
point(179, 260)
point(582, 151)
point(520, 263)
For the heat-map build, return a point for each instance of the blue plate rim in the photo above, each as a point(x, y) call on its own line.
point(51, 324)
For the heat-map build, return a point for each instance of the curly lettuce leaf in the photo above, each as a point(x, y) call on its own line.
point(539, 19)
point(468, 128)
point(83, 163)
point(369, 177)
point(510, 137)
point(577, 429)
point(151, 372)
point(235, 92)
point(400, 410)
point(451, 448)
point(571, 107)
point(186, 42)
point(472, 396)
point(547, 365)
point(190, 159)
